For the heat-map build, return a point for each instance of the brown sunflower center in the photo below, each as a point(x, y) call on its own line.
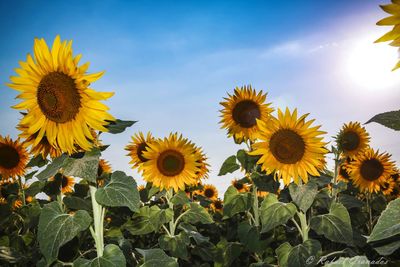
point(170, 163)
point(287, 146)
point(64, 181)
point(218, 204)
point(344, 173)
point(9, 157)
point(58, 97)
point(350, 141)
point(209, 192)
point(245, 113)
point(371, 169)
point(140, 148)
point(238, 186)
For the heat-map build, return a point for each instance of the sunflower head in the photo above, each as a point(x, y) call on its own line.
point(16, 204)
point(13, 159)
point(59, 103)
point(242, 110)
point(240, 186)
point(103, 170)
point(290, 147)
point(388, 186)
point(210, 191)
point(352, 139)
point(217, 205)
point(203, 170)
point(137, 146)
point(370, 170)
point(343, 173)
point(65, 183)
point(393, 20)
point(171, 163)
point(262, 194)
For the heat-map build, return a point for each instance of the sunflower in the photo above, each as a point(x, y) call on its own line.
point(103, 169)
point(210, 191)
point(16, 204)
point(136, 148)
point(66, 183)
point(290, 147)
point(393, 35)
point(141, 188)
point(217, 205)
point(171, 163)
point(241, 111)
point(352, 139)
point(343, 174)
point(203, 171)
point(56, 95)
point(388, 186)
point(241, 187)
point(42, 148)
point(13, 159)
point(262, 194)
point(370, 170)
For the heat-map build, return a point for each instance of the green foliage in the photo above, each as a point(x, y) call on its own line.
point(303, 195)
point(77, 203)
point(226, 253)
point(83, 165)
point(336, 225)
point(119, 126)
point(52, 168)
point(275, 213)
point(385, 237)
point(389, 119)
point(235, 202)
point(156, 258)
point(120, 192)
point(57, 228)
point(176, 245)
point(112, 257)
point(149, 219)
point(357, 261)
point(229, 166)
point(197, 214)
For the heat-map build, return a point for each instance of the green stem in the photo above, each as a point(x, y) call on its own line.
point(369, 209)
point(179, 217)
point(98, 218)
point(298, 227)
point(255, 206)
point(170, 193)
point(304, 226)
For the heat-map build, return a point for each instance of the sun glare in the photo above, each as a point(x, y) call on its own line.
point(369, 65)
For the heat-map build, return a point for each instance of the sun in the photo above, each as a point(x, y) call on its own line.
point(369, 65)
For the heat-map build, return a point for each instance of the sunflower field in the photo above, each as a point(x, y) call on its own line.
point(62, 204)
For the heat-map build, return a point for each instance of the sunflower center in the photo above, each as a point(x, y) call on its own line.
point(287, 146)
point(9, 157)
point(344, 173)
point(58, 97)
point(238, 186)
point(245, 113)
point(170, 163)
point(218, 205)
point(64, 181)
point(209, 193)
point(140, 148)
point(371, 169)
point(350, 141)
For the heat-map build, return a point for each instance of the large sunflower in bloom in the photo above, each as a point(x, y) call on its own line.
point(136, 148)
point(210, 191)
point(290, 147)
point(57, 97)
point(370, 170)
point(171, 163)
point(13, 159)
point(393, 20)
point(352, 139)
point(241, 111)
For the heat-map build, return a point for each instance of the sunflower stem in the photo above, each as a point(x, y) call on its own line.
point(22, 190)
point(98, 218)
point(170, 193)
point(370, 223)
point(304, 226)
point(255, 206)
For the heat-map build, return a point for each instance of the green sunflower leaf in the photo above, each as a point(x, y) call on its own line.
point(112, 257)
point(385, 237)
point(305, 254)
point(389, 119)
point(275, 213)
point(52, 168)
point(83, 165)
point(57, 228)
point(229, 166)
point(336, 225)
point(357, 261)
point(118, 126)
point(147, 220)
point(37, 161)
point(235, 202)
point(197, 214)
point(156, 258)
point(120, 192)
point(176, 245)
point(303, 195)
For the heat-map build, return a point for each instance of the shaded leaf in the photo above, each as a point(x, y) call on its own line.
point(57, 228)
point(149, 219)
point(77, 203)
point(305, 254)
point(157, 258)
point(37, 161)
point(389, 119)
point(84, 167)
point(283, 253)
point(275, 213)
point(229, 166)
point(303, 195)
point(357, 261)
point(197, 214)
point(180, 198)
point(118, 126)
point(226, 253)
point(176, 245)
point(235, 202)
point(120, 192)
point(52, 168)
point(112, 257)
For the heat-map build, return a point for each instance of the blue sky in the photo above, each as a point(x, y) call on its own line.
point(170, 63)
